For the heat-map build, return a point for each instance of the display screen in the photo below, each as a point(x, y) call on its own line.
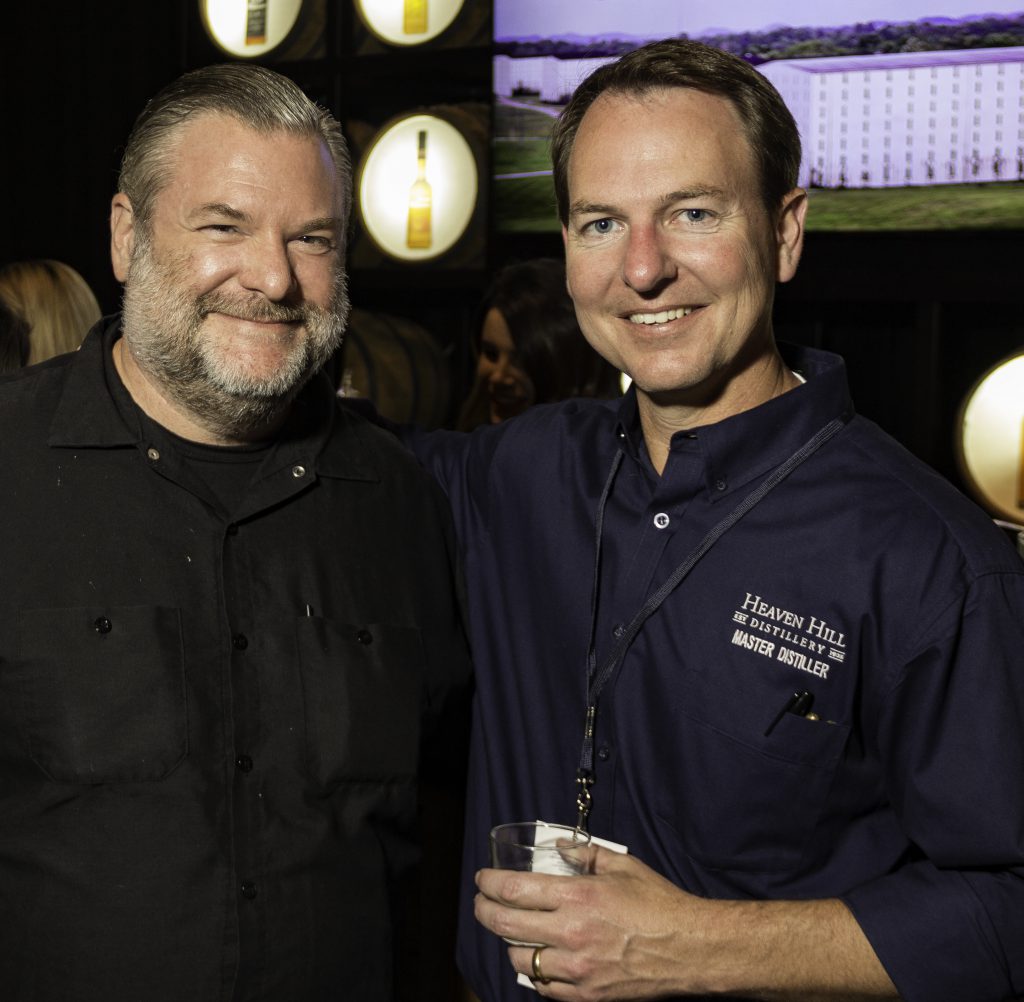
point(911, 112)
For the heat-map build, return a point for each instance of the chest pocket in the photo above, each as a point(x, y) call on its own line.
point(362, 692)
point(746, 801)
point(100, 692)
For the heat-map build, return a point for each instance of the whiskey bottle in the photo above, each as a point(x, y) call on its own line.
point(256, 22)
point(418, 234)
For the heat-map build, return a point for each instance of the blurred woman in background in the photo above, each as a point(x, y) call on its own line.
point(53, 300)
point(530, 349)
point(13, 340)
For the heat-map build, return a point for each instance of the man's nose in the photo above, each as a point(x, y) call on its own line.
point(648, 263)
point(268, 269)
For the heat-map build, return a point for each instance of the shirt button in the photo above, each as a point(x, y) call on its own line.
point(102, 625)
point(239, 641)
point(153, 454)
point(720, 485)
point(244, 763)
point(604, 753)
point(661, 520)
point(618, 630)
point(298, 471)
point(248, 889)
point(364, 637)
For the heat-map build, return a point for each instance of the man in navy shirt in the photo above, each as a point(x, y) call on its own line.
point(763, 647)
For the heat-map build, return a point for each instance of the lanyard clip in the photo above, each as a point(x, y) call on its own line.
point(584, 781)
point(585, 773)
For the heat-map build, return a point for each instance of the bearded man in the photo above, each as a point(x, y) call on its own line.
point(231, 660)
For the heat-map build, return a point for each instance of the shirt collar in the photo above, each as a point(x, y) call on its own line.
point(87, 413)
point(95, 410)
point(747, 445)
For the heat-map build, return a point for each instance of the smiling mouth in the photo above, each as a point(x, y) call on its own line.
point(662, 316)
point(264, 321)
point(263, 313)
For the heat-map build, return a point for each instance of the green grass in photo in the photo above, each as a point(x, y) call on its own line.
point(514, 157)
point(995, 205)
point(521, 123)
point(525, 205)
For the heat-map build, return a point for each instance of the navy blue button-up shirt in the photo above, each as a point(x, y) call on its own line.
point(863, 579)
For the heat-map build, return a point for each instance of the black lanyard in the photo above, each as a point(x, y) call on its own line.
point(597, 678)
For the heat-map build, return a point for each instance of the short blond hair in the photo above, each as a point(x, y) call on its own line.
point(54, 300)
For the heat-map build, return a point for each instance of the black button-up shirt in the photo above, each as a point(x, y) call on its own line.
point(212, 723)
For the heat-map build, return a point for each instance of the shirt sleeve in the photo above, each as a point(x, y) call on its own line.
point(948, 924)
point(461, 463)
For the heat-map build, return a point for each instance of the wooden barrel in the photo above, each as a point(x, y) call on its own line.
point(399, 366)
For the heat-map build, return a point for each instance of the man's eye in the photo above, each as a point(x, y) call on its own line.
point(317, 243)
point(220, 227)
point(601, 227)
point(696, 215)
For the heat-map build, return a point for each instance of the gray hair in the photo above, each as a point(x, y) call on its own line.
point(770, 130)
point(255, 96)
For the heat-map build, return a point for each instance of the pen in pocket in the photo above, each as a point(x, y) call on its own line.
point(799, 703)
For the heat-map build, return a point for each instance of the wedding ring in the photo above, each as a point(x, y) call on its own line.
point(538, 974)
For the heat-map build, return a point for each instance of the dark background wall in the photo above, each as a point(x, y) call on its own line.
point(918, 316)
point(74, 76)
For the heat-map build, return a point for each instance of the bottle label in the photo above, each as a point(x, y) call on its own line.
point(418, 234)
point(256, 22)
point(414, 21)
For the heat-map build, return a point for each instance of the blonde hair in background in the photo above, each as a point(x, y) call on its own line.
point(54, 300)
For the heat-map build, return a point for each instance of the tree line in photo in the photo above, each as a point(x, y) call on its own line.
point(785, 42)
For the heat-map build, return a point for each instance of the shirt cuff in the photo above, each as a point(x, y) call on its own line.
point(945, 935)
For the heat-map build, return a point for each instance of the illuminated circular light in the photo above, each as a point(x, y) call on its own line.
point(249, 28)
point(405, 219)
point(990, 439)
point(408, 22)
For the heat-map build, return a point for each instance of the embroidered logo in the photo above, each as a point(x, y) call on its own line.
point(803, 642)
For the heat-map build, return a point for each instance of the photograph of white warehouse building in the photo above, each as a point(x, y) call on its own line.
point(912, 118)
point(942, 117)
point(552, 78)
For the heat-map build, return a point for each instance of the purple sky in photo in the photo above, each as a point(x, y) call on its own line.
point(656, 18)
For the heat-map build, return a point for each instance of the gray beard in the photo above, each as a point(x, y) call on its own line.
point(162, 327)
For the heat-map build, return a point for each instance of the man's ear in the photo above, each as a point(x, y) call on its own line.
point(565, 244)
point(122, 234)
point(789, 233)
